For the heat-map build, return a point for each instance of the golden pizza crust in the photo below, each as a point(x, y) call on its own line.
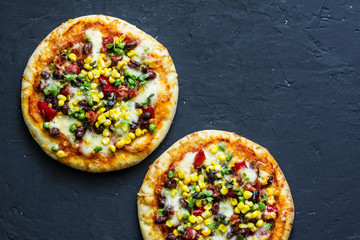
point(146, 201)
point(165, 104)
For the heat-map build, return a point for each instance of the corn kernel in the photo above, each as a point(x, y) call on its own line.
point(181, 174)
point(260, 223)
point(197, 188)
point(271, 199)
point(249, 203)
point(240, 205)
point(138, 132)
point(78, 123)
point(219, 175)
point(120, 143)
point(168, 223)
point(271, 215)
point(131, 53)
point(248, 216)
point(245, 209)
point(242, 225)
point(206, 232)
point(247, 194)
point(107, 122)
point(78, 93)
point(61, 103)
point(132, 135)
point(198, 203)
point(237, 210)
point(222, 157)
point(202, 185)
point(214, 149)
point(88, 60)
point(187, 180)
point(61, 97)
point(208, 206)
point(208, 221)
point(250, 225)
point(173, 192)
point(206, 214)
point(185, 188)
point(96, 73)
point(224, 190)
point(100, 64)
point(255, 214)
point(60, 154)
point(90, 75)
point(105, 140)
point(222, 228)
point(234, 202)
point(72, 57)
point(58, 84)
point(112, 148)
point(194, 177)
point(144, 131)
point(176, 232)
point(139, 112)
point(254, 229)
point(101, 95)
point(115, 73)
point(179, 215)
point(199, 219)
point(83, 72)
point(197, 227)
point(192, 219)
point(270, 191)
point(185, 195)
point(127, 140)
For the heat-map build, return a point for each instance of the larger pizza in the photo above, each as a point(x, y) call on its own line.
point(98, 94)
point(215, 185)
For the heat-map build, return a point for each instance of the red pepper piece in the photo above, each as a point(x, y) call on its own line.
point(239, 165)
point(106, 87)
point(45, 111)
point(270, 208)
point(107, 40)
point(150, 110)
point(199, 159)
point(72, 69)
point(199, 211)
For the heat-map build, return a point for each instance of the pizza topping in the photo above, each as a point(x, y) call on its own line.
point(96, 84)
point(215, 200)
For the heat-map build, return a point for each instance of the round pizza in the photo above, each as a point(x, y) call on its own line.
point(215, 185)
point(98, 94)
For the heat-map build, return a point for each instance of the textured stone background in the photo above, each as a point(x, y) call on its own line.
point(284, 74)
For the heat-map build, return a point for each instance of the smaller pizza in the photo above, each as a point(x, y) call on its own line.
point(99, 94)
point(215, 185)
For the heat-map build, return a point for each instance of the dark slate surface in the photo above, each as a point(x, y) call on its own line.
point(284, 74)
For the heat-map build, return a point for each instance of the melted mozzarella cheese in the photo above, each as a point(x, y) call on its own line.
point(226, 208)
point(90, 141)
point(186, 164)
point(63, 123)
point(248, 173)
point(175, 204)
point(96, 40)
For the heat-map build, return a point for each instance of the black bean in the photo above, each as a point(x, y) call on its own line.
point(54, 131)
point(244, 231)
point(45, 74)
point(171, 236)
point(65, 108)
point(146, 115)
point(252, 165)
point(76, 83)
point(87, 48)
point(80, 132)
point(161, 201)
point(83, 103)
point(255, 197)
point(184, 204)
point(80, 64)
point(160, 220)
point(215, 208)
point(269, 181)
point(170, 183)
point(145, 124)
point(167, 211)
point(134, 125)
point(57, 74)
point(131, 45)
point(116, 59)
point(241, 217)
point(100, 129)
point(144, 69)
point(137, 105)
point(230, 234)
point(151, 75)
point(134, 64)
point(53, 100)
